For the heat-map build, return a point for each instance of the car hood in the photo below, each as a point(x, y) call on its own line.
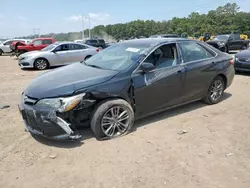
point(32, 53)
point(65, 80)
point(243, 54)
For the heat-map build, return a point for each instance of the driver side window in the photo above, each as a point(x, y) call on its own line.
point(37, 42)
point(163, 57)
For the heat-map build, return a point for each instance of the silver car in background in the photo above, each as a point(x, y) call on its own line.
point(56, 54)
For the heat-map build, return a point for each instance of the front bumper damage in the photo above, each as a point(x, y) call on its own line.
point(46, 122)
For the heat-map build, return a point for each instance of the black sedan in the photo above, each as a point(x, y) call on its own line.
point(127, 81)
point(242, 61)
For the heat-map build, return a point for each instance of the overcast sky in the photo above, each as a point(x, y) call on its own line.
point(19, 18)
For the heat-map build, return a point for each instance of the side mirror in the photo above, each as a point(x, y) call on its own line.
point(146, 67)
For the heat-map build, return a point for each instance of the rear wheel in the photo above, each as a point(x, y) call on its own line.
point(41, 64)
point(111, 119)
point(244, 47)
point(215, 91)
point(1, 52)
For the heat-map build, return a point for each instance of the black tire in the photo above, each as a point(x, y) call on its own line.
point(244, 47)
point(102, 109)
point(1, 52)
point(208, 98)
point(226, 49)
point(41, 64)
point(87, 57)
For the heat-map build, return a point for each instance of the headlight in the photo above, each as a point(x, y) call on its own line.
point(236, 59)
point(221, 43)
point(61, 104)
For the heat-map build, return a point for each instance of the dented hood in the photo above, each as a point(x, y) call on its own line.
point(65, 80)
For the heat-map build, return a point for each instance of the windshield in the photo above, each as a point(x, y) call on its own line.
point(221, 37)
point(48, 48)
point(118, 56)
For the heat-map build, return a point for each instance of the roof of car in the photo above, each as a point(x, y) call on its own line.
point(154, 40)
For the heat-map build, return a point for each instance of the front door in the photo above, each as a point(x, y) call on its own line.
point(161, 87)
point(199, 63)
point(62, 55)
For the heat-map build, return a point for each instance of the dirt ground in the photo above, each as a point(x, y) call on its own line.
point(214, 152)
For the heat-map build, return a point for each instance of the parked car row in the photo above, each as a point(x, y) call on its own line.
point(120, 84)
point(56, 54)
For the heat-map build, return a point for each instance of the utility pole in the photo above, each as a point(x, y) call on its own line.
point(89, 26)
point(82, 19)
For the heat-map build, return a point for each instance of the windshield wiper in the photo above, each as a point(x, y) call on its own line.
point(95, 66)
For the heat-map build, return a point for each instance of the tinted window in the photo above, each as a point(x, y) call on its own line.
point(37, 42)
point(191, 51)
point(164, 56)
point(236, 37)
point(47, 41)
point(101, 41)
point(63, 47)
point(77, 47)
point(8, 42)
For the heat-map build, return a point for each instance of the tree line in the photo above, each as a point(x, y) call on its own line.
point(224, 19)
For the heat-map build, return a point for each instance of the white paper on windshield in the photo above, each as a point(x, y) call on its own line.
point(132, 49)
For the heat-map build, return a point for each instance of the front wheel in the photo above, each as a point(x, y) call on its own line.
point(41, 64)
point(111, 119)
point(215, 91)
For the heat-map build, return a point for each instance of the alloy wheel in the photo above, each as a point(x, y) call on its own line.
point(41, 64)
point(115, 121)
point(216, 90)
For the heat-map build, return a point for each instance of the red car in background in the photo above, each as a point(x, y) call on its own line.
point(36, 44)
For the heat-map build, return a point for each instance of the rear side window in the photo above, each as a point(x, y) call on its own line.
point(236, 37)
point(47, 41)
point(192, 51)
point(8, 42)
point(101, 41)
point(77, 47)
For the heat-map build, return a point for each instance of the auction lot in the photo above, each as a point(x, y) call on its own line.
point(192, 146)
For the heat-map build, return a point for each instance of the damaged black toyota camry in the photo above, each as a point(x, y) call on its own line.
point(127, 81)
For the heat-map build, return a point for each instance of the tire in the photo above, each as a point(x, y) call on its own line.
point(41, 64)
point(87, 57)
point(210, 98)
point(226, 49)
point(102, 118)
point(1, 52)
point(244, 48)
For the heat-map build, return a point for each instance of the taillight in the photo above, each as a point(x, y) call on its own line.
point(97, 50)
point(231, 62)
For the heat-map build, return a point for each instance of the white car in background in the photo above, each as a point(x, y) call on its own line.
point(5, 46)
point(56, 54)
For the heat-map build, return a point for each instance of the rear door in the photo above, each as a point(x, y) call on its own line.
point(6, 46)
point(46, 42)
point(199, 62)
point(78, 52)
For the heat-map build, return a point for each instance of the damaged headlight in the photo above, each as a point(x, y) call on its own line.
point(62, 104)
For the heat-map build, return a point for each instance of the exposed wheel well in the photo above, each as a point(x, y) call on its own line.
point(224, 79)
point(88, 56)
